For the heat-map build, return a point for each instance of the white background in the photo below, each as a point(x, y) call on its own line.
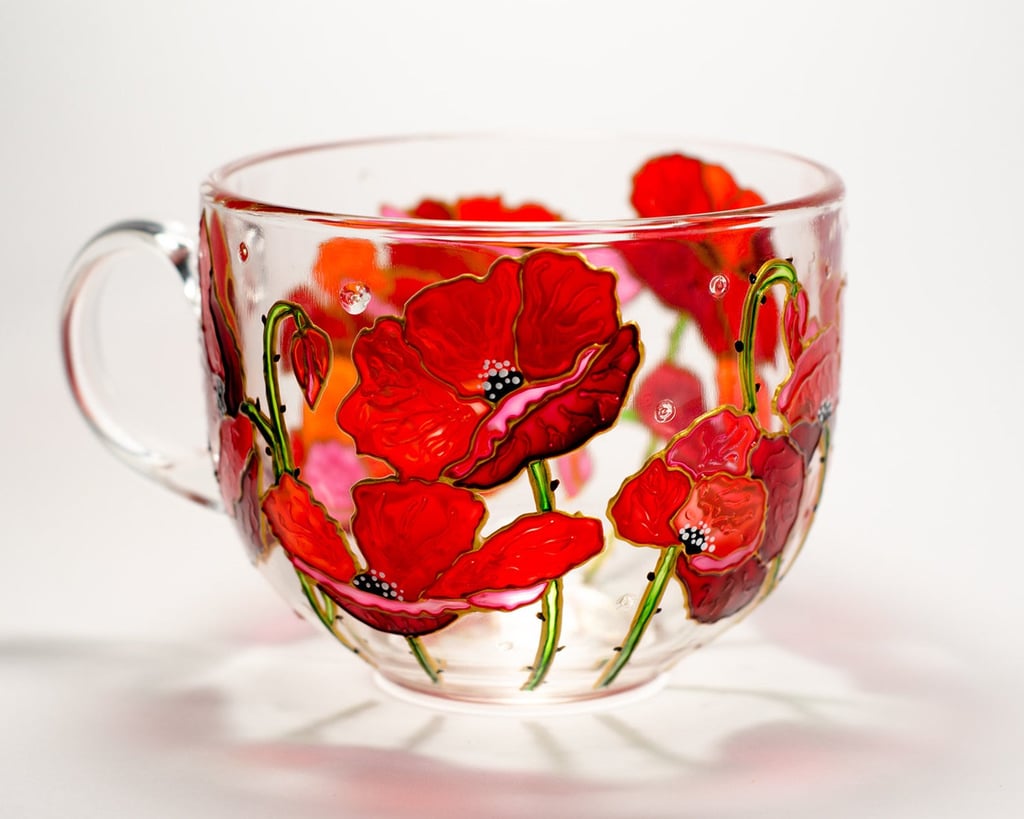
point(906, 608)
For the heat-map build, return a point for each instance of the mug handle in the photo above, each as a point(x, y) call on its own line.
point(187, 472)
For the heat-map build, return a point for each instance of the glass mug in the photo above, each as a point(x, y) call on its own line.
point(512, 419)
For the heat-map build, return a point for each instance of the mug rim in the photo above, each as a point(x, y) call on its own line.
point(216, 189)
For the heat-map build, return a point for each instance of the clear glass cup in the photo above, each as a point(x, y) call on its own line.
point(516, 420)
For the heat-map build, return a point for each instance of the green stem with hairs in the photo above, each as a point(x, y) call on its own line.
point(426, 662)
point(272, 426)
point(642, 619)
point(551, 602)
point(540, 480)
point(327, 613)
point(282, 451)
point(260, 421)
point(772, 272)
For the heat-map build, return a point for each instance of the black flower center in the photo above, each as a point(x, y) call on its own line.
point(825, 411)
point(374, 583)
point(697, 539)
point(220, 391)
point(498, 379)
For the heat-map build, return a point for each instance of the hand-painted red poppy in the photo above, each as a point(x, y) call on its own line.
point(669, 399)
point(679, 268)
point(810, 395)
point(446, 260)
point(217, 318)
point(310, 352)
point(425, 561)
point(487, 374)
point(483, 209)
point(729, 494)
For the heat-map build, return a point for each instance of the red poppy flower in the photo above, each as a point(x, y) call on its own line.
point(669, 399)
point(219, 324)
point(680, 268)
point(447, 260)
point(487, 374)
point(483, 209)
point(809, 397)
point(425, 561)
point(729, 493)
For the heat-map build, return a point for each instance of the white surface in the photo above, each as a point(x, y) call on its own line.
point(130, 625)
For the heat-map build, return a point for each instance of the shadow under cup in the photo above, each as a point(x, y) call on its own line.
point(517, 420)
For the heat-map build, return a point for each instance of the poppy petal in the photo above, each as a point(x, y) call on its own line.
point(726, 515)
point(720, 442)
point(459, 325)
point(567, 306)
point(409, 618)
point(794, 323)
point(507, 599)
point(679, 269)
point(432, 209)
point(305, 530)
point(494, 209)
point(310, 353)
point(806, 435)
point(670, 185)
point(712, 597)
point(557, 422)
point(417, 264)
point(781, 467)
point(643, 510)
point(220, 328)
point(814, 380)
point(410, 532)
point(236, 450)
point(247, 513)
point(532, 549)
point(399, 413)
point(210, 338)
point(669, 399)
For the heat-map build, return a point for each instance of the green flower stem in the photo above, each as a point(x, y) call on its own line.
point(629, 414)
point(551, 617)
point(426, 662)
point(773, 578)
point(642, 619)
point(551, 606)
point(540, 478)
point(282, 450)
point(675, 338)
point(260, 421)
point(326, 612)
point(772, 272)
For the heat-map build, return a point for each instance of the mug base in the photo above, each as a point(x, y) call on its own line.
point(520, 704)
